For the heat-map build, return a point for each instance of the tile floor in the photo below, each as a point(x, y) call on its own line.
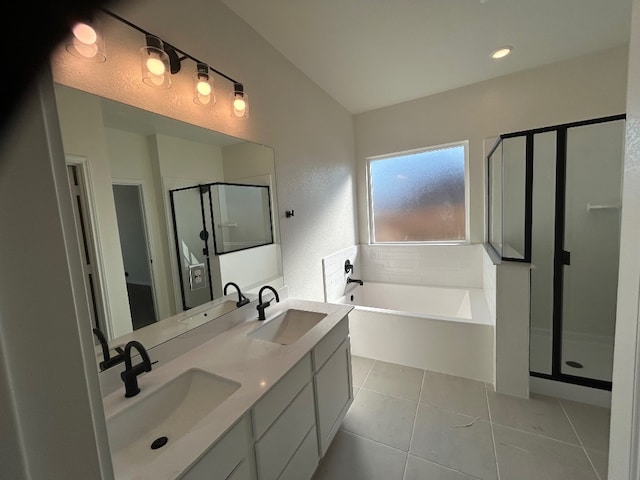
point(410, 424)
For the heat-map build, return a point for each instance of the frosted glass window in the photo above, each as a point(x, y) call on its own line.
point(419, 197)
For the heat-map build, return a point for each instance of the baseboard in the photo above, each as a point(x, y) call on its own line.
point(569, 391)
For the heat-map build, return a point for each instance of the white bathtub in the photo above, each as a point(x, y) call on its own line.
point(447, 330)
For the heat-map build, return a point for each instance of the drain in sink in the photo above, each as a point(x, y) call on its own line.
point(159, 443)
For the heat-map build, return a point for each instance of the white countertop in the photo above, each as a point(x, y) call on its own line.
point(255, 364)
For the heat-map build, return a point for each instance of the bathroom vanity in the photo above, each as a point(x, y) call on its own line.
point(262, 400)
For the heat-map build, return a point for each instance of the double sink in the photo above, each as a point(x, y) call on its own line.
point(175, 408)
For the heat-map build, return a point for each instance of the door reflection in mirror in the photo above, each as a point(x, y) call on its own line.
point(136, 256)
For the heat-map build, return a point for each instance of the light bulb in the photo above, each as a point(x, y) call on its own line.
point(239, 105)
point(86, 42)
point(155, 66)
point(239, 102)
point(85, 33)
point(501, 52)
point(204, 88)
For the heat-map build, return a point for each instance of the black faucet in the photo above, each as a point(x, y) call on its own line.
point(242, 300)
point(354, 280)
point(130, 374)
point(262, 305)
point(107, 359)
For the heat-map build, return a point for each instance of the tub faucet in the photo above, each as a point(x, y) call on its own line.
point(130, 374)
point(242, 300)
point(263, 305)
point(354, 280)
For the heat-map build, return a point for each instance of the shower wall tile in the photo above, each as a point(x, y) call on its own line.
point(334, 276)
point(439, 265)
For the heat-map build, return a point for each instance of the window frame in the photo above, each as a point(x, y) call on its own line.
point(370, 220)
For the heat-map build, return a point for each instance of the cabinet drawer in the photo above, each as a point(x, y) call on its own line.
point(225, 456)
point(280, 442)
point(276, 400)
point(331, 341)
point(305, 460)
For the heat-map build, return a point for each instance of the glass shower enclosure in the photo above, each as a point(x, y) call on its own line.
point(554, 201)
point(215, 219)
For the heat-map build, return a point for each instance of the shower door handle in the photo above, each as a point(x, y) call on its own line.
point(566, 257)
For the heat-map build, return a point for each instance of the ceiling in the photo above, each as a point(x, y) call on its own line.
point(368, 54)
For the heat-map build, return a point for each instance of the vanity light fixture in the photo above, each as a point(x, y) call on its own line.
point(203, 93)
point(160, 60)
point(239, 102)
point(501, 52)
point(87, 42)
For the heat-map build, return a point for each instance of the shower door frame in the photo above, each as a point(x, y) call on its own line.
point(207, 248)
point(561, 260)
point(559, 232)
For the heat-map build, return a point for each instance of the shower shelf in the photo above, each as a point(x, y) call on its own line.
point(603, 206)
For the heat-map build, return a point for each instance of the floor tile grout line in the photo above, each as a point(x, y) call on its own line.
point(564, 410)
point(493, 436)
point(389, 395)
point(456, 412)
point(368, 373)
point(372, 440)
point(539, 435)
point(544, 437)
point(415, 419)
point(446, 467)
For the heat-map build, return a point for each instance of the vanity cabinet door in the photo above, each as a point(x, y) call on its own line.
point(304, 462)
point(231, 458)
point(333, 393)
point(283, 438)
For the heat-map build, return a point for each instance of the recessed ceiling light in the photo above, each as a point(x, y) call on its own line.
point(501, 52)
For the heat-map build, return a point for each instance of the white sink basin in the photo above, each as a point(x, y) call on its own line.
point(171, 412)
point(287, 327)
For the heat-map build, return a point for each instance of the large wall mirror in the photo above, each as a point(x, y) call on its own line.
point(123, 162)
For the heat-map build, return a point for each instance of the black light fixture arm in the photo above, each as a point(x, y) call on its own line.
point(184, 55)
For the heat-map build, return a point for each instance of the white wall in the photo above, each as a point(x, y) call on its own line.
point(49, 391)
point(489, 283)
point(582, 88)
point(512, 329)
point(253, 163)
point(83, 134)
point(131, 161)
point(623, 457)
point(311, 134)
